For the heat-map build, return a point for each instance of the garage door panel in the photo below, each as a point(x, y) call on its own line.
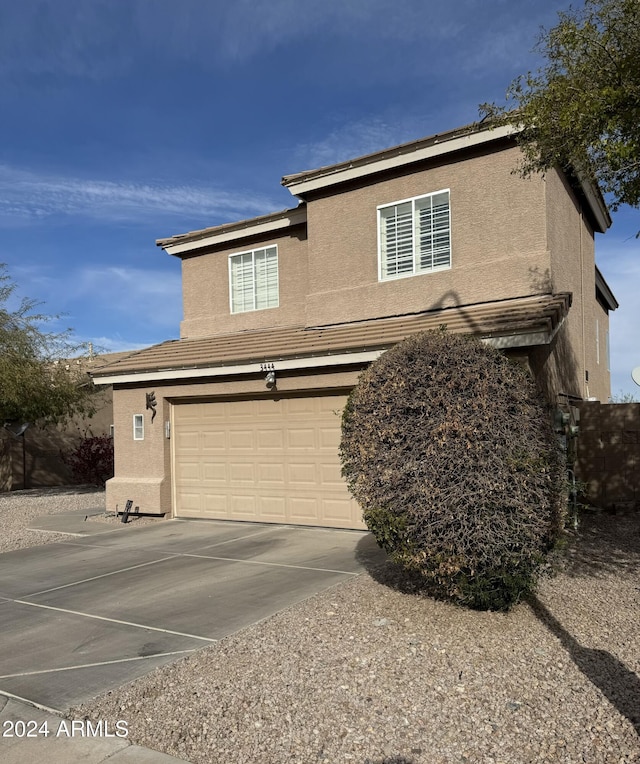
point(241, 440)
point(215, 473)
point(213, 441)
point(272, 509)
point(264, 460)
point(248, 413)
point(271, 473)
point(270, 440)
point(329, 439)
point(188, 440)
point(242, 472)
point(191, 501)
point(336, 512)
point(243, 506)
point(303, 511)
point(214, 504)
point(331, 475)
point(301, 439)
point(303, 475)
point(267, 410)
point(189, 472)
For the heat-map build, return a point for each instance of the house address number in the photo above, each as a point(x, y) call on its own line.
point(267, 367)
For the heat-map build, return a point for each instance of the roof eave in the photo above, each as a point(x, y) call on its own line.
point(208, 237)
point(595, 200)
point(309, 361)
point(605, 291)
point(301, 184)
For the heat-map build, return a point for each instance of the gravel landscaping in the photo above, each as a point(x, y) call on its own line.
point(373, 673)
point(19, 509)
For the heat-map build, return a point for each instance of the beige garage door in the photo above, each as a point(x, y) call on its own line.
point(262, 460)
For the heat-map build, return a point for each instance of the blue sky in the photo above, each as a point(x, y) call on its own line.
point(129, 120)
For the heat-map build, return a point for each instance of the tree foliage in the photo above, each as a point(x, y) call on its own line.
point(38, 382)
point(450, 451)
point(582, 109)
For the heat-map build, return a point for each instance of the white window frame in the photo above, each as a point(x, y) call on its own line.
point(138, 426)
point(416, 269)
point(255, 287)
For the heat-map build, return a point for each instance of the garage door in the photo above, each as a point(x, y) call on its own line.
point(262, 460)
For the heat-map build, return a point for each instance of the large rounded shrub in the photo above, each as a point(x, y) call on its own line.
point(449, 449)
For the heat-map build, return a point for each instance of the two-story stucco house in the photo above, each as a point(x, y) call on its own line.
point(240, 418)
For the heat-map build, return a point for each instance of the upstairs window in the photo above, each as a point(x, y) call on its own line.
point(253, 280)
point(414, 236)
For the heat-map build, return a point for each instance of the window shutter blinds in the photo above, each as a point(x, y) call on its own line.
point(397, 239)
point(433, 223)
point(242, 283)
point(415, 235)
point(254, 280)
point(266, 272)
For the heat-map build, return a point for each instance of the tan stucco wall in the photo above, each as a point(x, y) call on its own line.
point(499, 250)
point(571, 246)
point(205, 289)
point(498, 235)
point(143, 468)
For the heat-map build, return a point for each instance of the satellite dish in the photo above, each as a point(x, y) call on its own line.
point(635, 375)
point(16, 428)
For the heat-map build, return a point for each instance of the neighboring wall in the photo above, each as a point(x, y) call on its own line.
point(41, 449)
point(609, 453)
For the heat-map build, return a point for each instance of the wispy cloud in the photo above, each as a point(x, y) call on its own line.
point(348, 141)
point(379, 132)
point(101, 38)
point(248, 27)
point(136, 306)
point(156, 295)
point(27, 196)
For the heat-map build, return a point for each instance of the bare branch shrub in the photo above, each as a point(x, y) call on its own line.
point(91, 461)
point(449, 449)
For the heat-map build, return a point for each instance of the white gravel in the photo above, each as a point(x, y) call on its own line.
point(19, 509)
point(370, 674)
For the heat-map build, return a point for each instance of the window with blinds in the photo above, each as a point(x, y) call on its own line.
point(415, 236)
point(253, 280)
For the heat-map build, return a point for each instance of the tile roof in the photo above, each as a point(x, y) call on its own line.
point(503, 318)
point(239, 226)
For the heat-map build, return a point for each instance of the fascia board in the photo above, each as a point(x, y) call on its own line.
point(595, 201)
point(602, 285)
point(518, 340)
point(223, 237)
point(390, 163)
point(308, 362)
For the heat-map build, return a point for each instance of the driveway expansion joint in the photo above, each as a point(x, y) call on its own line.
point(114, 620)
point(102, 575)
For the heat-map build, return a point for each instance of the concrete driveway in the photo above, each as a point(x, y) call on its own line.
point(85, 616)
